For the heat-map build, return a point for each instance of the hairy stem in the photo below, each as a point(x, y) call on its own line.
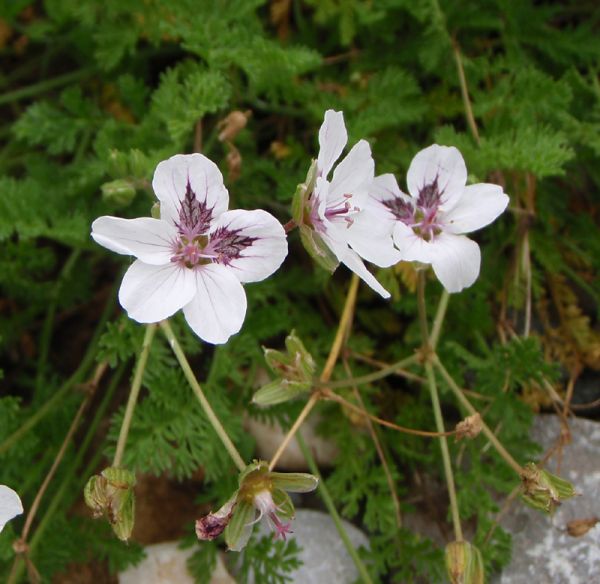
point(469, 407)
point(326, 496)
point(210, 414)
point(136, 385)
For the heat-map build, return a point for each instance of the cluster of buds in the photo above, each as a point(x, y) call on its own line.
point(110, 494)
point(294, 371)
point(543, 490)
point(262, 494)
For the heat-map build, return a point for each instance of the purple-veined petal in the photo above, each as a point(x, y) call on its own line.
point(253, 243)
point(332, 139)
point(385, 187)
point(479, 205)
point(171, 179)
point(152, 293)
point(218, 308)
point(444, 163)
point(10, 505)
point(352, 261)
point(370, 235)
point(150, 240)
point(353, 175)
point(455, 260)
point(413, 248)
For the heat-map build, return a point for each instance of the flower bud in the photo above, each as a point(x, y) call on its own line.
point(543, 490)
point(294, 368)
point(464, 563)
point(111, 494)
point(119, 192)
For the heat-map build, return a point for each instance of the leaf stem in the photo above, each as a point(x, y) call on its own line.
point(210, 414)
point(64, 389)
point(48, 325)
point(136, 385)
point(326, 496)
point(329, 395)
point(369, 377)
point(43, 86)
point(464, 90)
point(440, 315)
point(469, 407)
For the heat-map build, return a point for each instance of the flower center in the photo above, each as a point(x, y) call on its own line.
point(422, 215)
point(194, 246)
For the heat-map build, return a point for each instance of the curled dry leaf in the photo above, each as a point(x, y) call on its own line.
point(470, 427)
point(579, 527)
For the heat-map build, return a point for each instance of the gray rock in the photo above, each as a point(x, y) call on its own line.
point(165, 563)
point(324, 558)
point(543, 551)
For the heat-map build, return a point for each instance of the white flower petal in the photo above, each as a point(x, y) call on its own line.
point(171, 178)
point(332, 139)
point(479, 205)
point(218, 309)
point(370, 235)
point(352, 260)
point(152, 293)
point(267, 245)
point(412, 247)
point(444, 163)
point(455, 260)
point(10, 505)
point(385, 187)
point(148, 239)
point(353, 175)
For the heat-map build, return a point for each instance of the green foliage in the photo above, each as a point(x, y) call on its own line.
point(269, 561)
point(93, 91)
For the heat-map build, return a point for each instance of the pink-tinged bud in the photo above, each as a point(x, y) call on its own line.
point(212, 525)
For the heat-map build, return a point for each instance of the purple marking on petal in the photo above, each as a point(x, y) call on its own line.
point(402, 210)
point(430, 195)
point(194, 216)
point(228, 244)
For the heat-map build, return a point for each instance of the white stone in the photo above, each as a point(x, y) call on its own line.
point(543, 551)
point(268, 438)
point(324, 557)
point(165, 563)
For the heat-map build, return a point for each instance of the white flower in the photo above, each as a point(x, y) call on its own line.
point(10, 505)
point(428, 224)
point(197, 255)
point(341, 211)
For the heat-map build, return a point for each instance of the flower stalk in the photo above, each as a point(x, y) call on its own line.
point(469, 407)
point(334, 353)
point(437, 410)
point(210, 414)
point(133, 394)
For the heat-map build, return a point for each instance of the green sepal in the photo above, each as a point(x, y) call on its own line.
point(317, 249)
point(120, 192)
point(155, 211)
point(279, 391)
point(543, 490)
point(239, 528)
point(303, 192)
point(283, 502)
point(294, 482)
point(111, 493)
point(302, 358)
point(464, 563)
